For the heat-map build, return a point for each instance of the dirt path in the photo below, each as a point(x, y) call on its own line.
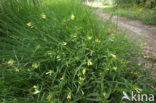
point(145, 33)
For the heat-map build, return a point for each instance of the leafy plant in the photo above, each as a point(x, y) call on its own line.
point(59, 52)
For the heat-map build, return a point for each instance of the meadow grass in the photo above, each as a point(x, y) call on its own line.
point(146, 16)
point(58, 52)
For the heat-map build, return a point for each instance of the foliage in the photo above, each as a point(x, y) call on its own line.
point(146, 16)
point(60, 53)
point(144, 3)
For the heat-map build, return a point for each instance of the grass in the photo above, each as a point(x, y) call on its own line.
point(146, 16)
point(58, 52)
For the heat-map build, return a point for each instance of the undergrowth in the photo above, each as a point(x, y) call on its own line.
point(58, 52)
point(146, 16)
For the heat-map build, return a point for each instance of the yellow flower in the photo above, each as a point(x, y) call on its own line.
point(48, 97)
point(29, 69)
point(36, 91)
point(35, 65)
point(104, 94)
point(49, 53)
point(84, 71)
point(108, 69)
point(72, 17)
point(90, 63)
point(62, 78)
point(69, 96)
point(139, 64)
point(89, 37)
point(58, 58)
point(91, 53)
point(64, 43)
point(16, 69)
point(143, 44)
point(114, 56)
point(43, 16)
point(97, 40)
point(81, 79)
point(115, 68)
point(136, 73)
point(50, 72)
point(138, 90)
point(35, 87)
point(29, 24)
point(11, 62)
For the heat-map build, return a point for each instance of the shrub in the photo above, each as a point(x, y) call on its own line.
point(60, 52)
point(143, 3)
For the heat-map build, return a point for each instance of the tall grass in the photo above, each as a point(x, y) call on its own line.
point(58, 52)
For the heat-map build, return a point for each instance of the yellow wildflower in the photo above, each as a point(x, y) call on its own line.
point(58, 58)
point(49, 53)
point(138, 90)
point(35, 65)
point(43, 16)
point(29, 24)
point(81, 79)
point(35, 87)
point(11, 62)
point(50, 72)
point(114, 56)
point(136, 73)
point(48, 97)
point(72, 17)
point(108, 69)
point(90, 63)
point(143, 44)
point(36, 91)
point(89, 37)
point(84, 71)
point(62, 78)
point(115, 68)
point(69, 96)
point(104, 94)
point(64, 43)
point(16, 69)
point(97, 40)
point(139, 64)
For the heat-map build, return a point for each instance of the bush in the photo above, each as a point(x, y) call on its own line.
point(143, 3)
point(59, 52)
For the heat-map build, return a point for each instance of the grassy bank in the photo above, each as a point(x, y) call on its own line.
point(58, 52)
point(146, 16)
